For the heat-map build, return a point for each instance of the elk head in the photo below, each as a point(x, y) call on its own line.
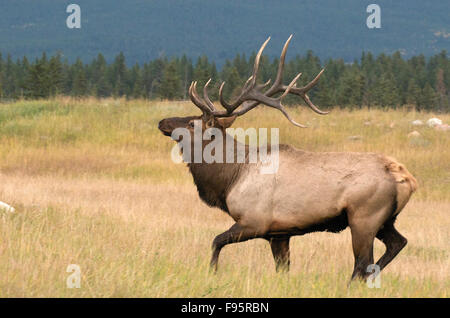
point(252, 95)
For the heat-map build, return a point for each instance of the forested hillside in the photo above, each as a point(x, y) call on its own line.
point(383, 81)
point(147, 29)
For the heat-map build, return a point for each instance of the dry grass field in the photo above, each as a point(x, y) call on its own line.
point(93, 184)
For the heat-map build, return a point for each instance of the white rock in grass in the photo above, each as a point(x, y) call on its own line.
point(417, 122)
point(6, 207)
point(432, 122)
point(414, 134)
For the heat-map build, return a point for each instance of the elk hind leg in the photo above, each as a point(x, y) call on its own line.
point(365, 222)
point(362, 243)
point(281, 254)
point(394, 242)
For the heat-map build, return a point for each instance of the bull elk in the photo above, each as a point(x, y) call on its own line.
point(311, 191)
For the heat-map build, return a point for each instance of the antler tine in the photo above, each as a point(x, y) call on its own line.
point(289, 88)
point(302, 93)
point(291, 85)
point(279, 78)
point(261, 86)
point(208, 101)
point(249, 84)
point(257, 60)
point(272, 102)
point(313, 82)
point(277, 84)
point(197, 100)
point(278, 87)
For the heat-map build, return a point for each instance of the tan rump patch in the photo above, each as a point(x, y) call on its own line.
point(400, 173)
point(406, 183)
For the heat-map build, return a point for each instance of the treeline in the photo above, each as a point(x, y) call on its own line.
point(382, 81)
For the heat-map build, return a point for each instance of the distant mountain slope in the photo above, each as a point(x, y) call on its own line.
point(145, 29)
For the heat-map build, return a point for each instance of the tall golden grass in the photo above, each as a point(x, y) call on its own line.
point(93, 185)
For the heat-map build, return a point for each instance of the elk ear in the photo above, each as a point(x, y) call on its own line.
point(226, 122)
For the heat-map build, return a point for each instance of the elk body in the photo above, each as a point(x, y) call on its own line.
point(311, 191)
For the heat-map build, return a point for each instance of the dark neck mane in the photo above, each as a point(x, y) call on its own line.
point(214, 181)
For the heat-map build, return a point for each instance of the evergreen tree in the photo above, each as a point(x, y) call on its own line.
point(55, 74)
point(171, 84)
point(233, 81)
point(202, 71)
point(10, 78)
point(23, 73)
point(153, 74)
point(414, 95)
point(2, 80)
point(38, 82)
point(100, 85)
point(79, 84)
point(351, 89)
point(119, 76)
point(429, 97)
point(186, 71)
point(325, 95)
point(136, 82)
point(441, 90)
point(386, 92)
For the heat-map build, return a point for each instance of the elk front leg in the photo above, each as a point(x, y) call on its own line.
point(281, 254)
point(235, 234)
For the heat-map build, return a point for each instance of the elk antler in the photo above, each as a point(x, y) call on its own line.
point(251, 94)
